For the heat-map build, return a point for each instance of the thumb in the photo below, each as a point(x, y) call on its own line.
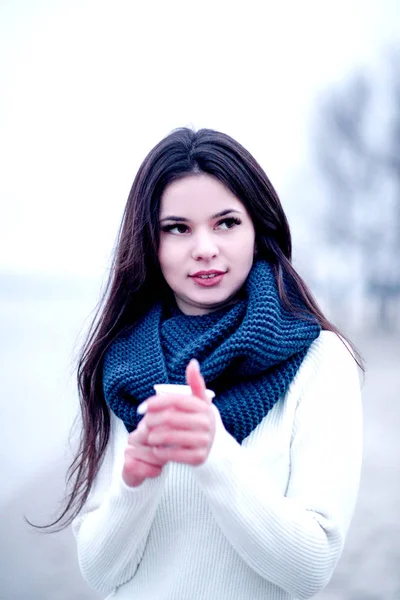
point(195, 379)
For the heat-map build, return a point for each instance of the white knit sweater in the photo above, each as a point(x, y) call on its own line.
point(263, 520)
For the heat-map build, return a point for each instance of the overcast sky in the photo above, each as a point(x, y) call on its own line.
point(88, 87)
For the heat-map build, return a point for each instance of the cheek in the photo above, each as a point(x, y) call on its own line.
point(162, 255)
point(168, 256)
point(244, 248)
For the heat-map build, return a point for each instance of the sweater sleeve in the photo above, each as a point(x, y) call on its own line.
point(112, 529)
point(294, 540)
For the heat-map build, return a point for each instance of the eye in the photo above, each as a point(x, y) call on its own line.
point(175, 229)
point(229, 223)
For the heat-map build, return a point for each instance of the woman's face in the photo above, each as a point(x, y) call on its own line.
point(207, 243)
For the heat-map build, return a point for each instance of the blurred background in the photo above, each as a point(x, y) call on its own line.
point(87, 87)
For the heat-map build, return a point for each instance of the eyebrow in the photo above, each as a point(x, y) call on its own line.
point(222, 213)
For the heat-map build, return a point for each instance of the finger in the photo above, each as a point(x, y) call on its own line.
point(174, 419)
point(139, 435)
point(195, 379)
point(143, 454)
point(135, 472)
point(191, 456)
point(184, 439)
point(182, 403)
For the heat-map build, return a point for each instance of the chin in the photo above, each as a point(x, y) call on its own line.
point(214, 303)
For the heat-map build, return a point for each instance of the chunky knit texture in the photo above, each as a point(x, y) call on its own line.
point(248, 355)
point(262, 520)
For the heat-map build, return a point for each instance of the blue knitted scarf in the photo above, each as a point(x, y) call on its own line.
point(248, 353)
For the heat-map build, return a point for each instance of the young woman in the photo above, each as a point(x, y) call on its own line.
point(248, 496)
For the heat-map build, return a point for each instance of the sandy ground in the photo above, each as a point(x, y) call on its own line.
point(44, 567)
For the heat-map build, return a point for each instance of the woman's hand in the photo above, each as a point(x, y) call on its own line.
point(175, 428)
point(140, 460)
point(182, 428)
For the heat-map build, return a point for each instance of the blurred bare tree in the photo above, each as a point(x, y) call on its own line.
point(357, 147)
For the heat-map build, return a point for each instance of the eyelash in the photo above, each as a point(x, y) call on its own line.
point(232, 221)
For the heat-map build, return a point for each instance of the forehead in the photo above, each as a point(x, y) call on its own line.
point(201, 192)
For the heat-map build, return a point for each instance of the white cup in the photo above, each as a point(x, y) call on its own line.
point(173, 388)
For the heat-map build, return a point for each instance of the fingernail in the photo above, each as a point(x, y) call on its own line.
point(142, 408)
point(196, 363)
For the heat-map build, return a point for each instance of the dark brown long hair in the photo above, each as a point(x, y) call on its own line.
point(135, 279)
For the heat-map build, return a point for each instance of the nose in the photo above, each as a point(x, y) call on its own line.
point(205, 247)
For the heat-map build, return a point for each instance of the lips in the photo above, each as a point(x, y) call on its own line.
point(208, 278)
point(207, 274)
